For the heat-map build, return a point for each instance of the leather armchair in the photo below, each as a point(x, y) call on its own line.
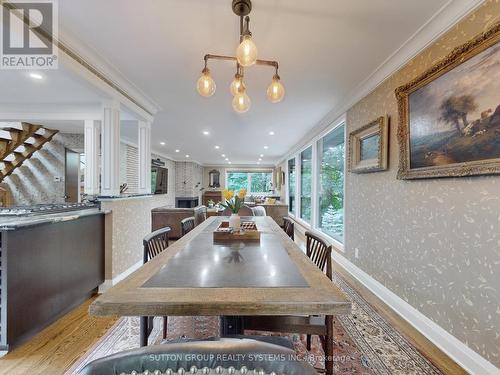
point(206, 356)
point(162, 217)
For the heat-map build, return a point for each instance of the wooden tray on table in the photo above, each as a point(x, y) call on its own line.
point(248, 232)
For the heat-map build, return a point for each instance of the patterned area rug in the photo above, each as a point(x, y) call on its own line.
point(365, 344)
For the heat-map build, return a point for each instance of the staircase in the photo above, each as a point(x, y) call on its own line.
point(18, 144)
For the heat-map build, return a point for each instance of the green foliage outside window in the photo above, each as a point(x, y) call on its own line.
point(331, 183)
point(254, 182)
point(305, 184)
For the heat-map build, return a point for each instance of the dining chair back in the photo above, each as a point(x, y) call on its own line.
point(289, 227)
point(213, 356)
point(259, 211)
point(154, 243)
point(187, 225)
point(319, 252)
point(200, 215)
point(244, 211)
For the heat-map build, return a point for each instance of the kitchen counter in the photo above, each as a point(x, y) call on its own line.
point(16, 222)
point(50, 263)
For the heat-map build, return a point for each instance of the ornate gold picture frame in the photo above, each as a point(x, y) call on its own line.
point(368, 147)
point(449, 117)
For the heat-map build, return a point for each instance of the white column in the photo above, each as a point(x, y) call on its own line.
point(110, 150)
point(91, 140)
point(144, 167)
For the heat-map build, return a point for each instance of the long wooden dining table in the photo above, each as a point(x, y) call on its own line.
point(197, 276)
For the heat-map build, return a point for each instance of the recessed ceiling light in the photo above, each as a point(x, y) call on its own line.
point(227, 159)
point(228, 162)
point(261, 155)
point(260, 159)
point(36, 76)
point(206, 132)
point(217, 147)
point(271, 133)
point(187, 156)
point(223, 155)
point(266, 147)
point(162, 143)
point(177, 150)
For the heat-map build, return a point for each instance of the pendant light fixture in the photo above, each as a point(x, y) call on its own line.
point(246, 56)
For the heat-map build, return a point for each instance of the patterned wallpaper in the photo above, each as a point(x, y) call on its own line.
point(189, 179)
point(435, 243)
point(33, 182)
point(130, 222)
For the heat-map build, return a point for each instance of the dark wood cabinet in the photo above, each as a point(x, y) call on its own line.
point(215, 195)
point(47, 270)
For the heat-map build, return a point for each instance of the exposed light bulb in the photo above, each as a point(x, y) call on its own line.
point(237, 85)
point(275, 91)
point(206, 85)
point(241, 102)
point(246, 53)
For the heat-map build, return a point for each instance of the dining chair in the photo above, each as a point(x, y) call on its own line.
point(289, 227)
point(200, 215)
point(320, 253)
point(244, 211)
point(154, 243)
point(214, 356)
point(187, 225)
point(259, 211)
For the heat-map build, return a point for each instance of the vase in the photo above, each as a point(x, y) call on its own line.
point(235, 221)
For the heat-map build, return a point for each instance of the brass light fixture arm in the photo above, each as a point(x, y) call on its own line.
point(232, 58)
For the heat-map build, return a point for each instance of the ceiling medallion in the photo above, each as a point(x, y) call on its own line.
point(246, 55)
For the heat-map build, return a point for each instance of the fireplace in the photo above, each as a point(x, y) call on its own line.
point(186, 202)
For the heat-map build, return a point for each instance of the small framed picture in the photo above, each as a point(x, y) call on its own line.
point(368, 147)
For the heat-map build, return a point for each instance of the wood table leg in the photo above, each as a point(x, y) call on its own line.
point(231, 325)
point(144, 331)
point(329, 345)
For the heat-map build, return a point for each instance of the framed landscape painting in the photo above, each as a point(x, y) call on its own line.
point(449, 118)
point(368, 147)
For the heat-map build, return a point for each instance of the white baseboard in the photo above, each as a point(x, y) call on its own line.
point(464, 356)
point(109, 283)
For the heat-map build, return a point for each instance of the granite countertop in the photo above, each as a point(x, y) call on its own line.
point(17, 222)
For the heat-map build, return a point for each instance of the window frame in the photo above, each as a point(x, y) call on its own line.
point(249, 183)
point(290, 213)
point(299, 202)
point(314, 224)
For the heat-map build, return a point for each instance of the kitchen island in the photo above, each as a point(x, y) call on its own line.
point(49, 263)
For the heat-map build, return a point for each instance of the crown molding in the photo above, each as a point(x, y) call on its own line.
point(442, 21)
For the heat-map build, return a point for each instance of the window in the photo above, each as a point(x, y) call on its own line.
point(331, 154)
point(305, 184)
point(237, 180)
point(254, 182)
point(291, 186)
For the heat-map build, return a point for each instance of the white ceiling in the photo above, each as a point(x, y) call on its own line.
point(325, 48)
point(58, 87)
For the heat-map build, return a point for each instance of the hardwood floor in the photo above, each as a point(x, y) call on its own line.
point(58, 346)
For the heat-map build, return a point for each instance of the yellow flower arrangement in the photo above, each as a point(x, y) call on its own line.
point(234, 201)
point(242, 193)
point(228, 194)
